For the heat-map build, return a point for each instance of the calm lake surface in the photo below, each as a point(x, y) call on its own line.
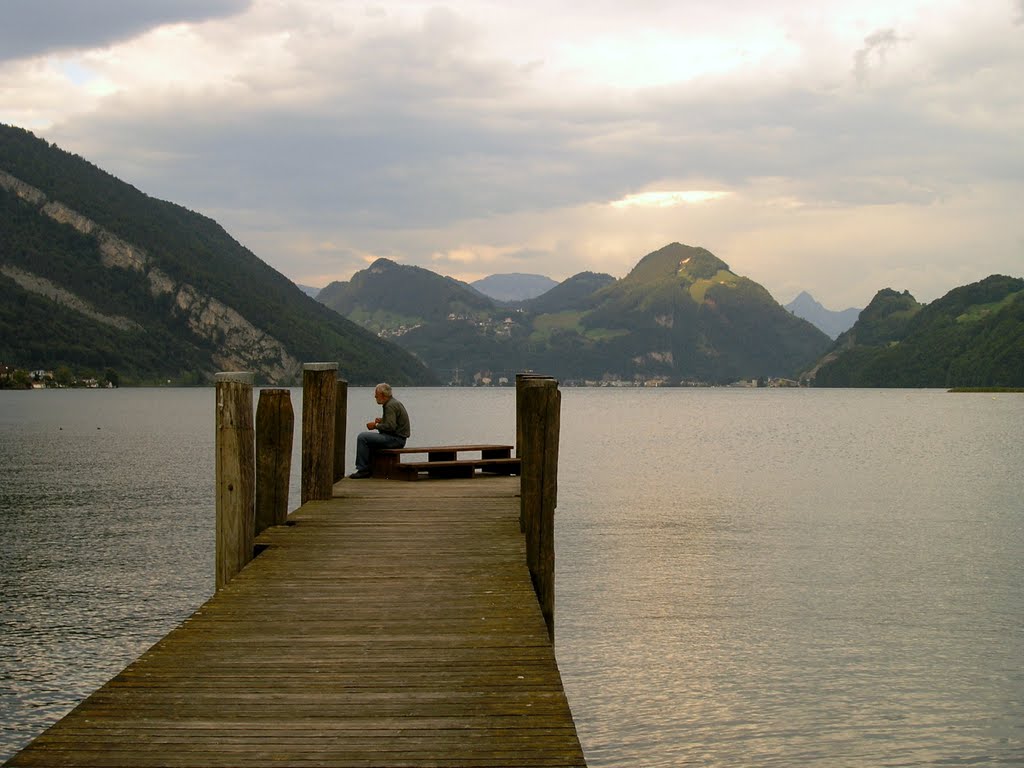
point(744, 577)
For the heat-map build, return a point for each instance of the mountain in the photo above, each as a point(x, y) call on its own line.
point(514, 286)
point(389, 297)
point(829, 321)
point(680, 315)
point(308, 290)
point(571, 294)
point(971, 337)
point(94, 274)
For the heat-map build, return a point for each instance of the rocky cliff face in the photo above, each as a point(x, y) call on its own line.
point(52, 291)
point(240, 344)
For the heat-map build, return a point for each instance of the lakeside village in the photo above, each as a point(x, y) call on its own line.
point(484, 379)
point(64, 378)
point(503, 329)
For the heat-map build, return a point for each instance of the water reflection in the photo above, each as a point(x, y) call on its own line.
point(803, 578)
point(768, 578)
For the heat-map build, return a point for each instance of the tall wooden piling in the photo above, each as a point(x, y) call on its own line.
point(275, 427)
point(319, 394)
point(523, 382)
point(340, 425)
point(235, 474)
point(540, 417)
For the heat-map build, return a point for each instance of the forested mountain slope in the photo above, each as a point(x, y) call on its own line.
point(971, 337)
point(679, 316)
point(96, 274)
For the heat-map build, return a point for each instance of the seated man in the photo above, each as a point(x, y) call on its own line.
point(392, 430)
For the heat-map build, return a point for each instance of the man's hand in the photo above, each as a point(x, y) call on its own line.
point(371, 424)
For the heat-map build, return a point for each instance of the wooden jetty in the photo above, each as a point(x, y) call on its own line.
point(387, 624)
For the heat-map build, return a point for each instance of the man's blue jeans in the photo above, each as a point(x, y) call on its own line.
point(368, 442)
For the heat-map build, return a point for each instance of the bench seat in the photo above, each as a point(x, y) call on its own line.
point(444, 461)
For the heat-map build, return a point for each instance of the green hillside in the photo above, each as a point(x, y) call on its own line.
point(573, 294)
point(680, 315)
point(682, 312)
point(94, 273)
point(971, 337)
point(387, 295)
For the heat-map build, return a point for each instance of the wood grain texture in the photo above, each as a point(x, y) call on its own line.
point(392, 625)
point(275, 426)
point(234, 475)
point(319, 400)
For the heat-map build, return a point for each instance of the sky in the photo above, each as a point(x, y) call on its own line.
point(836, 147)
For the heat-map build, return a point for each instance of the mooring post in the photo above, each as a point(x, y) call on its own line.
point(235, 474)
point(340, 425)
point(275, 427)
point(523, 382)
point(541, 411)
point(319, 392)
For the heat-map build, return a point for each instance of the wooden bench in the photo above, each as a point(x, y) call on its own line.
point(444, 461)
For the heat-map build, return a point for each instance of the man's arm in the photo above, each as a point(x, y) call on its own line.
point(389, 424)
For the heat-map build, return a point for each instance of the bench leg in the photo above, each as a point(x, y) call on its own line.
point(382, 465)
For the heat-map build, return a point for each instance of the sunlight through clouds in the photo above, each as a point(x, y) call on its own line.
point(668, 199)
point(471, 139)
point(652, 59)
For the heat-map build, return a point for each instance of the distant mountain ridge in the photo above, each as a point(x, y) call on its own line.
point(679, 315)
point(971, 337)
point(95, 274)
point(514, 286)
point(831, 322)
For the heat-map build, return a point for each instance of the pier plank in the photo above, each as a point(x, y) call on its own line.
point(394, 624)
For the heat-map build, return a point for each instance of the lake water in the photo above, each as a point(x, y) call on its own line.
point(744, 577)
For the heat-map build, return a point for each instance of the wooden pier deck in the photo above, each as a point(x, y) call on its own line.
point(392, 625)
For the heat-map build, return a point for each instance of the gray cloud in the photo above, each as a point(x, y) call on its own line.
point(384, 153)
point(403, 141)
point(35, 27)
point(876, 48)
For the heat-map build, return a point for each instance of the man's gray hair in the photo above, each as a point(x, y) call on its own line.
point(384, 389)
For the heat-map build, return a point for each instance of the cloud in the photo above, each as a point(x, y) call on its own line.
point(467, 138)
point(876, 48)
point(667, 198)
point(36, 27)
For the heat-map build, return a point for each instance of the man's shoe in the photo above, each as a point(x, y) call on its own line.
point(360, 475)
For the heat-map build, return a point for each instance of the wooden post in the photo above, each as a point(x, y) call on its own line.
point(340, 425)
point(235, 474)
point(275, 426)
point(524, 381)
point(319, 393)
point(546, 559)
point(539, 488)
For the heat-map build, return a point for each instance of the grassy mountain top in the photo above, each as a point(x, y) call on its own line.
point(686, 263)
